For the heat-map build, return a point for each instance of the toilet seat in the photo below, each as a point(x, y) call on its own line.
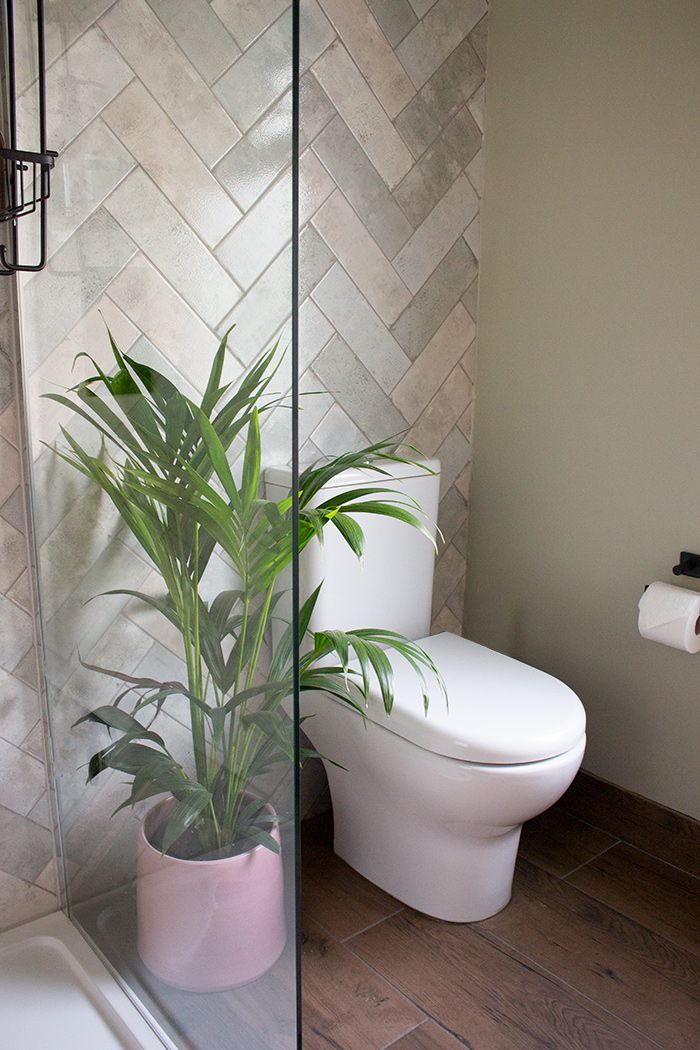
point(501, 711)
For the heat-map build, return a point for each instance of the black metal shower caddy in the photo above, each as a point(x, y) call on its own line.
point(25, 176)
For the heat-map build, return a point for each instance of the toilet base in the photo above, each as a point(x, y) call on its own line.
point(473, 880)
point(438, 834)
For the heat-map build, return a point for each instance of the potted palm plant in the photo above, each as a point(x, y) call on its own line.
point(209, 887)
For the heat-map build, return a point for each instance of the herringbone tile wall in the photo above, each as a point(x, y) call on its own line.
point(171, 218)
point(27, 872)
point(394, 111)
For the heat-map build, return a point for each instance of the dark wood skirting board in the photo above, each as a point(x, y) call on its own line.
point(667, 834)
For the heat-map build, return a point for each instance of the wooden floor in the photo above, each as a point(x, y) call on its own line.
point(598, 950)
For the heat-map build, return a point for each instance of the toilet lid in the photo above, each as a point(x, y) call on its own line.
point(501, 711)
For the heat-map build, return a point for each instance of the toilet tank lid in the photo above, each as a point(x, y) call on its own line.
point(501, 711)
point(282, 476)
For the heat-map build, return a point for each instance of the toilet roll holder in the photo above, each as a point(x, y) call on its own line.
point(688, 565)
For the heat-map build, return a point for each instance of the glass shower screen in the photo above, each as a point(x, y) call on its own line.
point(159, 364)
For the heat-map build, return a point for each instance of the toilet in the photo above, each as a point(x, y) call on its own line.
point(430, 806)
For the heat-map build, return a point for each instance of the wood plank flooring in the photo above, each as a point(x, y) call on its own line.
point(598, 950)
point(666, 834)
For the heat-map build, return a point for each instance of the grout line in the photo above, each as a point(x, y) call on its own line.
point(388, 979)
point(404, 1034)
point(626, 842)
point(590, 860)
point(195, 233)
point(661, 860)
point(371, 926)
point(530, 962)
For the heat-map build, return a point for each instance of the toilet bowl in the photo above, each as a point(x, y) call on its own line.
point(439, 831)
point(430, 806)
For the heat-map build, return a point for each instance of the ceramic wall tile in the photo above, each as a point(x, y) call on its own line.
point(431, 368)
point(337, 433)
point(64, 22)
point(362, 329)
point(19, 708)
point(360, 255)
point(247, 19)
point(17, 636)
point(154, 307)
point(358, 106)
point(90, 74)
point(260, 76)
point(442, 413)
point(165, 154)
point(354, 387)
point(22, 779)
point(173, 81)
point(13, 555)
point(31, 845)
point(363, 186)
point(437, 297)
point(90, 169)
point(433, 239)
point(55, 299)
point(152, 222)
point(421, 7)
point(264, 309)
point(255, 162)
point(432, 41)
point(358, 29)
point(396, 18)
point(200, 33)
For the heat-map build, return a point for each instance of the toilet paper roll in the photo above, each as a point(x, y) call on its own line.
point(671, 615)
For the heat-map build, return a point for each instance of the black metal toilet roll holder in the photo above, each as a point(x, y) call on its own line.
point(688, 565)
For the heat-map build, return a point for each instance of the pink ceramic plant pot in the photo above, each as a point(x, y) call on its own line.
point(208, 925)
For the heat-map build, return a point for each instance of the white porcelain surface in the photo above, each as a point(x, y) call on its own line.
point(430, 807)
point(55, 994)
point(439, 834)
point(393, 588)
point(500, 710)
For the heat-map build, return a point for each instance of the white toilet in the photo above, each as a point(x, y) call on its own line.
point(430, 808)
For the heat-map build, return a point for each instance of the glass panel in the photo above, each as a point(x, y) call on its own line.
point(170, 221)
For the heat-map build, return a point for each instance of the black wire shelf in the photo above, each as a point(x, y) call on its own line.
point(25, 176)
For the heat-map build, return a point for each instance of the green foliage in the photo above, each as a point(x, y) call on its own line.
point(165, 466)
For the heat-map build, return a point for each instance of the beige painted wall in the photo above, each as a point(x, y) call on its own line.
point(587, 444)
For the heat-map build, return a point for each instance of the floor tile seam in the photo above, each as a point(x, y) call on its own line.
point(344, 941)
point(582, 820)
point(661, 860)
point(633, 845)
point(377, 922)
point(421, 1024)
point(642, 924)
point(403, 1035)
point(611, 907)
point(427, 1016)
point(590, 860)
point(523, 959)
point(621, 840)
point(324, 929)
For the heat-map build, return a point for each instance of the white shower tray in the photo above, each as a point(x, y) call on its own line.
point(55, 994)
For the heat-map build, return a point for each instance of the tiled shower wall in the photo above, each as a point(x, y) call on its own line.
point(394, 111)
point(170, 219)
point(27, 875)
